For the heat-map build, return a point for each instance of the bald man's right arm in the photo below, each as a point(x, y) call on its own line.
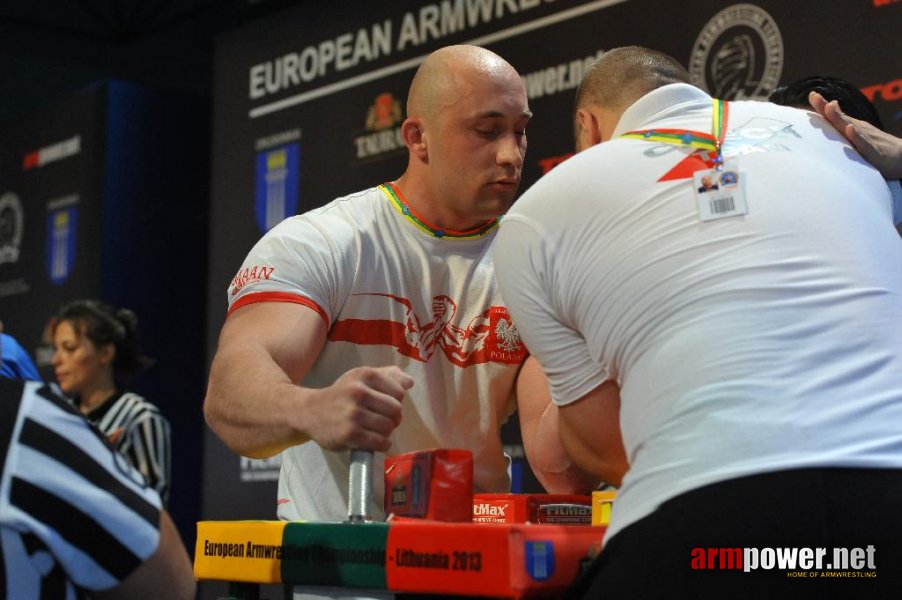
point(254, 405)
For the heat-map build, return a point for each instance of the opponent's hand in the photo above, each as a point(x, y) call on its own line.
point(879, 148)
point(360, 410)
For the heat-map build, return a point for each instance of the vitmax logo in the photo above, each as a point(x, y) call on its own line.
point(485, 509)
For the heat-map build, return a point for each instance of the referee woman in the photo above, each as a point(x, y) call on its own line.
point(96, 351)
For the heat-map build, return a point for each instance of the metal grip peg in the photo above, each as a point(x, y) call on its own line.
point(360, 486)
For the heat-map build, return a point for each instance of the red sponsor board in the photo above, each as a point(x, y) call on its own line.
point(500, 561)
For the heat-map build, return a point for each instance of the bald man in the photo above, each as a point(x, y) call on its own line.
point(732, 358)
point(375, 322)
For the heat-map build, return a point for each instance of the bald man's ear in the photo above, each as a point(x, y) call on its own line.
point(414, 138)
point(588, 129)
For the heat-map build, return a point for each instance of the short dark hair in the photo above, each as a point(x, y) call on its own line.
point(851, 100)
point(622, 75)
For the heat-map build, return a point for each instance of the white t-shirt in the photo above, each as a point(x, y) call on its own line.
point(393, 292)
point(743, 345)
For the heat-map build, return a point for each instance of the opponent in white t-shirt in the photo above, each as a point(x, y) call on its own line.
point(722, 333)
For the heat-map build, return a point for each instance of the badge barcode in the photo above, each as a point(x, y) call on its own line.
point(722, 205)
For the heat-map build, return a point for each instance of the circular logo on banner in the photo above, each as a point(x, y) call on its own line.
point(738, 54)
point(12, 222)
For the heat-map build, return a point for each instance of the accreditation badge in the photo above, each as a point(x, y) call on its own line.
point(720, 193)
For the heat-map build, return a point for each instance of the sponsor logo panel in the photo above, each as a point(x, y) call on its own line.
point(52, 153)
point(378, 40)
point(261, 469)
point(890, 91)
point(277, 185)
point(62, 225)
point(738, 54)
point(383, 129)
point(558, 78)
point(12, 224)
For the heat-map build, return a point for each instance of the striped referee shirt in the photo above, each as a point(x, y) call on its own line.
point(74, 517)
point(145, 438)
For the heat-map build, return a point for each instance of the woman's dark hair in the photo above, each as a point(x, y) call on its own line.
point(103, 325)
point(851, 100)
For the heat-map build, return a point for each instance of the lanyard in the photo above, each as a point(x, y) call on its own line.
point(712, 142)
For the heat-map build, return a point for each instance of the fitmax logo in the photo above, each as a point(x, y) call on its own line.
point(487, 510)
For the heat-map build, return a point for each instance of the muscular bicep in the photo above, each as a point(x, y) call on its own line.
point(291, 334)
point(252, 400)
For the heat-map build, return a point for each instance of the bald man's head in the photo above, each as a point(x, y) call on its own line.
point(623, 75)
point(465, 132)
point(446, 73)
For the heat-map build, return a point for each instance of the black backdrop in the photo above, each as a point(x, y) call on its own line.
point(307, 102)
point(104, 195)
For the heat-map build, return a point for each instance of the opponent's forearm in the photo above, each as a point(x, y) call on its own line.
point(549, 460)
point(257, 411)
point(605, 459)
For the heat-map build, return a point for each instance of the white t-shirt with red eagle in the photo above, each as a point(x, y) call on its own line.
point(393, 291)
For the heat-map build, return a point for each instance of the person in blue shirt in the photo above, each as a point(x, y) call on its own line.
point(14, 360)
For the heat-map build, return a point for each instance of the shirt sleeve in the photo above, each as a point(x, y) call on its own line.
point(70, 490)
point(524, 266)
point(304, 260)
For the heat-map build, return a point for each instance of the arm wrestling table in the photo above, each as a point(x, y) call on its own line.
point(507, 557)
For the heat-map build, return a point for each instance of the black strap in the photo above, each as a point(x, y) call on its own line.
point(10, 400)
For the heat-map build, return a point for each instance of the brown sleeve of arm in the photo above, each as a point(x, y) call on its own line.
point(166, 574)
